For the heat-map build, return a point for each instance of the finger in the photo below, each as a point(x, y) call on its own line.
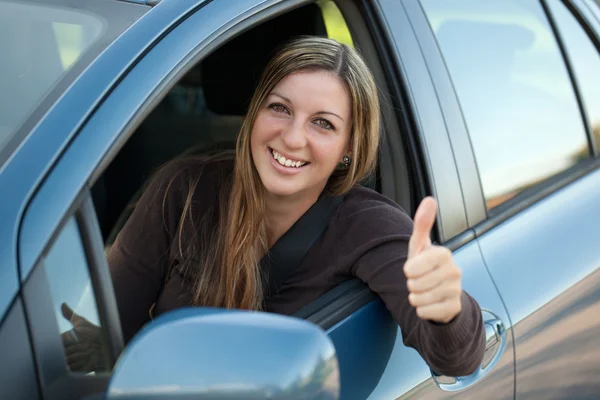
point(85, 331)
point(427, 261)
point(67, 312)
point(69, 338)
point(78, 365)
point(423, 223)
point(437, 295)
point(440, 312)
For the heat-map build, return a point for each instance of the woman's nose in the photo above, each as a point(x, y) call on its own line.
point(294, 136)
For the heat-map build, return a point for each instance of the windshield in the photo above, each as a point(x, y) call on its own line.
point(41, 43)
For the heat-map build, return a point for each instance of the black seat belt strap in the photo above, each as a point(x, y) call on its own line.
point(289, 251)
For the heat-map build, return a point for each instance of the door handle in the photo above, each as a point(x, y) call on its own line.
point(495, 345)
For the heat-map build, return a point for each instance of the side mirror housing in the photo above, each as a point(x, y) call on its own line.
point(199, 353)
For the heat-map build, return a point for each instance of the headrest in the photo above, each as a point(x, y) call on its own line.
point(231, 73)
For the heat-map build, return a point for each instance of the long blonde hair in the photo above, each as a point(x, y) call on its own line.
point(229, 273)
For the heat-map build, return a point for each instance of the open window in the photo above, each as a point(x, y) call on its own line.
point(204, 110)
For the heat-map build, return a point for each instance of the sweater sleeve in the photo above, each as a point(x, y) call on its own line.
point(139, 257)
point(373, 240)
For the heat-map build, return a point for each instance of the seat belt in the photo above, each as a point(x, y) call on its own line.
point(289, 251)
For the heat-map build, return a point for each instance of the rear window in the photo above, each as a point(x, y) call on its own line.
point(44, 45)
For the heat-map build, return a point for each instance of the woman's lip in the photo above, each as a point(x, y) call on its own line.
point(287, 156)
point(282, 168)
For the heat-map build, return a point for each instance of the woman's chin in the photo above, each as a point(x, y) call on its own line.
point(280, 190)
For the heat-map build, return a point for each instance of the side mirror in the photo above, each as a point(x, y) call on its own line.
point(199, 353)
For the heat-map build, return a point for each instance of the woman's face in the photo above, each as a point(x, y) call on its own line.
point(301, 133)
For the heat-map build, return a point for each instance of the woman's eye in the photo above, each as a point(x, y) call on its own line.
point(323, 123)
point(279, 108)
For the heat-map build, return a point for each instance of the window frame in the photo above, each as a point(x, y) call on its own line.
point(55, 379)
point(412, 80)
point(479, 222)
point(592, 145)
point(591, 27)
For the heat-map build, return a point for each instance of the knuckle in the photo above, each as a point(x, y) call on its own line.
point(458, 304)
point(411, 299)
point(446, 253)
point(408, 267)
point(443, 252)
point(457, 272)
point(456, 291)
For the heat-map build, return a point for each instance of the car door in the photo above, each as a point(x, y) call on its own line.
point(525, 74)
point(374, 363)
point(61, 251)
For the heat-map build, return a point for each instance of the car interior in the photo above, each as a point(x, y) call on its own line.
point(204, 110)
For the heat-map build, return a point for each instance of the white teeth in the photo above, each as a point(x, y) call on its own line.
point(286, 162)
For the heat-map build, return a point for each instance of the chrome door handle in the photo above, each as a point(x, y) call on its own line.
point(495, 333)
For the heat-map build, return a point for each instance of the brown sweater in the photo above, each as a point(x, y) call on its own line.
point(367, 237)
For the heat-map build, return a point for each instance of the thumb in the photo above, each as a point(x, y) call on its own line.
point(67, 312)
point(423, 223)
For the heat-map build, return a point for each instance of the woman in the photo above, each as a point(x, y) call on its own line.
point(312, 129)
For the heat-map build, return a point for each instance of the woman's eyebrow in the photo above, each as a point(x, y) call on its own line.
point(317, 113)
point(283, 97)
point(330, 113)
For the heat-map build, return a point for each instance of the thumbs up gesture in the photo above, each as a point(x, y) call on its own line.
point(432, 277)
point(83, 344)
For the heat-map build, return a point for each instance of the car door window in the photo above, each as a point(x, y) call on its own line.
point(74, 304)
point(515, 92)
point(585, 61)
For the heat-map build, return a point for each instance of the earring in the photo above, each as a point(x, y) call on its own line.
point(347, 161)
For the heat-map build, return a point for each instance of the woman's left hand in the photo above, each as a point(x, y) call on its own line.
point(433, 278)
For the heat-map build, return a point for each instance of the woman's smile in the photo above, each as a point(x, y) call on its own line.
point(285, 165)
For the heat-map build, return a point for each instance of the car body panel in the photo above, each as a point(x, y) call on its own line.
point(544, 259)
point(550, 282)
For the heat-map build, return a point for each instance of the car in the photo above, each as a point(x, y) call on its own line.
point(491, 106)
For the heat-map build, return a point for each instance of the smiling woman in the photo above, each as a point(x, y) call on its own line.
point(311, 132)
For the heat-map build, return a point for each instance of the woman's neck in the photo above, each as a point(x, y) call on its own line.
point(282, 213)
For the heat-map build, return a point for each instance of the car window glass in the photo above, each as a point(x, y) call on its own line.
point(514, 89)
point(74, 303)
point(585, 61)
point(38, 44)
